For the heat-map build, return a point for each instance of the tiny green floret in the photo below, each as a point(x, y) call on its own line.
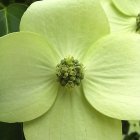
point(70, 72)
point(138, 22)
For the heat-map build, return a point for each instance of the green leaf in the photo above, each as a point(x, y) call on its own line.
point(112, 78)
point(69, 25)
point(1, 6)
point(28, 85)
point(11, 131)
point(10, 18)
point(72, 118)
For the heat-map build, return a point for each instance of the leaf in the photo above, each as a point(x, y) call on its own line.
point(10, 18)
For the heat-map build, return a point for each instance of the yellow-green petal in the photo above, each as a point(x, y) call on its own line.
point(117, 20)
point(134, 126)
point(28, 86)
point(72, 118)
point(128, 7)
point(69, 25)
point(112, 77)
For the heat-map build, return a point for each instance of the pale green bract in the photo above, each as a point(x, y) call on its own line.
point(29, 91)
point(134, 127)
point(122, 14)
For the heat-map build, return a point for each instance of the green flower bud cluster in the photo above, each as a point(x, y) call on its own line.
point(69, 72)
point(138, 22)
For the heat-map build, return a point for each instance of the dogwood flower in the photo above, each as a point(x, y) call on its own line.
point(63, 79)
point(123, 15)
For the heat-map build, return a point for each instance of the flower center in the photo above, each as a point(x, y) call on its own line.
point(70, 72)
point(138, 22)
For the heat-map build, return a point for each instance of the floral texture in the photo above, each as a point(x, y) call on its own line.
point(123, 15)
point(63, 79)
